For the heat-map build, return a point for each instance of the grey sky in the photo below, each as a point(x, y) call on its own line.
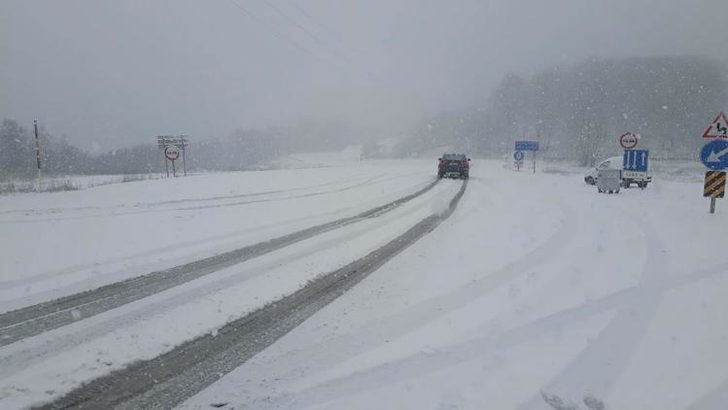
point(114, 73)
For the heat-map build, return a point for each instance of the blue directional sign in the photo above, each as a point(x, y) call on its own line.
point(715, 154)
point(636, 160)
point(518, 155)
point(526, 145)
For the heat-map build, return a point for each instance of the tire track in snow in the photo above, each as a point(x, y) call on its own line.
point(151, 204)
point(716, 399)
point(595, 370)
point(422, 363)
point(29, 321)
point(416, 316)
point(15, 358)
point(373, 180)
point(247, 195)
point(172, 377)
point(147, 253)
point(80, 267)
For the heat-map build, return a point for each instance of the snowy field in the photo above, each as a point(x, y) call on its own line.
point(66, 183)
point(537, 289)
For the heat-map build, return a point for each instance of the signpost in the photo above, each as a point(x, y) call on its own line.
point(518, 158)
point(528, 146)
point(178, 143)
point(628, 140)
point(636, 160)
point(714, 187)
point(635, 164)
point(172, 153)
point(714, 155)
point(718, 128)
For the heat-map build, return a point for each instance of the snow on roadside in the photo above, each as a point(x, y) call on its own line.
point(67, 183)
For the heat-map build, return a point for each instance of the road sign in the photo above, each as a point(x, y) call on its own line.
point(526, 145)
point(628, 140)
point(171, 152)
point(715, 154)
point(714, 184)
point(718, 128)
point(636, 160)
point(518, 156)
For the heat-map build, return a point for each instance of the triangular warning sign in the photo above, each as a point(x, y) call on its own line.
point(718, 129)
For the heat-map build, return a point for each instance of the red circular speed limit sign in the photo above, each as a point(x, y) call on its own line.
point(171, 152)
point(628, 140)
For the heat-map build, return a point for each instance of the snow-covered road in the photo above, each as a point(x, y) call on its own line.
point(537, 289)
point(61, 243)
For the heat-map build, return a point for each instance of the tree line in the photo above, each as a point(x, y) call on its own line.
point(243, 149)
point(578, 112)
point(575, 112)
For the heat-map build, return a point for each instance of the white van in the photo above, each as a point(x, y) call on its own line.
point(615, 163)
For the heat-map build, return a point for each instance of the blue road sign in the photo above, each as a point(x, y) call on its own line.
point(715, 154)
point(636, 160)
point(518, 155)
point(526, 145)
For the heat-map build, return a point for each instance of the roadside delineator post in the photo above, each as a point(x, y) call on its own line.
point(714, 187)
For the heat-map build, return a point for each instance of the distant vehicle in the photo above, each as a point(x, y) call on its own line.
point(453, 165)
point(614, 163)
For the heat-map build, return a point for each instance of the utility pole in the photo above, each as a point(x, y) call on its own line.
point(37, 152)
point(183, 142)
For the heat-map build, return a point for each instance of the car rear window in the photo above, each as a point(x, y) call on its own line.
point(453, 157)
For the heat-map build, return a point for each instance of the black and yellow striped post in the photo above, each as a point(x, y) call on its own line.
point(714, 187)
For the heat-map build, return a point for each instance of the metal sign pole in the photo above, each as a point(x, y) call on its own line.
point(534, 161)
point(184, 156)
point(712, 205)
point(37, 153)
point(174, 172)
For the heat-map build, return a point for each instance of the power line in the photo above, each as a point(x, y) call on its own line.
point(321, 27)
point(333, 55)
point(271, 29)
point(301, 27)
point(343, 58)
point(308, 16)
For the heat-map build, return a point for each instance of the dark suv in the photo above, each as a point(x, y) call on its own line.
point(453, 165)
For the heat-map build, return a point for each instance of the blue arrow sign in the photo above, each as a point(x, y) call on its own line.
point(715, 154)
point(636, 160)
point(518, 155)
point(526, 145)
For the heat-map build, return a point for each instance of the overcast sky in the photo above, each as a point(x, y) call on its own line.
point(115, 73)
